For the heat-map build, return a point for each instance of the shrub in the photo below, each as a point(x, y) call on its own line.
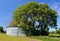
point(1, 29)
point(44, 32)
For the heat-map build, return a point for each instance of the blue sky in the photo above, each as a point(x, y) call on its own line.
point(8, 6)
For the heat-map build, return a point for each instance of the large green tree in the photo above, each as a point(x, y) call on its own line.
point(28, 14)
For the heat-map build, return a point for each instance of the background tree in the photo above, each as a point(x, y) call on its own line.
point(1, 29)
point(28, 14)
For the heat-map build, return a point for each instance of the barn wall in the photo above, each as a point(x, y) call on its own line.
point(15, 31)
point(21, 32)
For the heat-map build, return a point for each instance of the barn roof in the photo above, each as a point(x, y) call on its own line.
point(12, 23)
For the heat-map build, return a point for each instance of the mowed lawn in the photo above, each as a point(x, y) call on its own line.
point(45, 38)
point(4, 37)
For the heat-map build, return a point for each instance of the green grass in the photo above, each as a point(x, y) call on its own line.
point(54, 35)
point(4, 37)
point(45, 38)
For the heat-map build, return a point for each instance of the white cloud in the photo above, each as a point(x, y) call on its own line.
point(58, 12)
point(56, 7)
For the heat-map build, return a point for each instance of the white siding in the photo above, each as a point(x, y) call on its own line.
point(21, 32)
point(15, 31)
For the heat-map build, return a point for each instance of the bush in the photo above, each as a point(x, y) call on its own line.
point(1, 29)
point(36, 32)
point(44, 33)
point(4, 31)
point(31, 32)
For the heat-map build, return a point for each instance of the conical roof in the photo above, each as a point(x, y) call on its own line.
point(12, 23)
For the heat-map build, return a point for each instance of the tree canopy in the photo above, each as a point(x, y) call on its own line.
point(27, 14)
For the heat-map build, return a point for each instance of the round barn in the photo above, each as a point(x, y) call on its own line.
point(12, 30)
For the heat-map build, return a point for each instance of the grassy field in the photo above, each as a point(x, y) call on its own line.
point(4, 37)
point(45, 38)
